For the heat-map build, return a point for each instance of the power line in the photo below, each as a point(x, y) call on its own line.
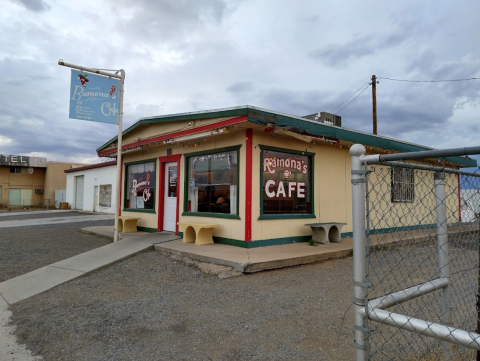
point(428, 81)
point(331, 111)
point(368, 84)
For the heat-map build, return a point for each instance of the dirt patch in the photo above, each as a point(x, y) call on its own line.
point(220, 271)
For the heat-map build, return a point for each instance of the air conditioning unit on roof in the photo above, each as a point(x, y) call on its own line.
point(326, 118)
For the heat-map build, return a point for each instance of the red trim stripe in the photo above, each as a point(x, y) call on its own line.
point(248, 185)
point(178, 134)
point(121, 186)
point(459, 200)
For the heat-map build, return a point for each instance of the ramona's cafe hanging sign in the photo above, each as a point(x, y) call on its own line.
point(283, 187)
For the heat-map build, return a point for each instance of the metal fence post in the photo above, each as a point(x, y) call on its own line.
point(443, 255)
point(359, 252)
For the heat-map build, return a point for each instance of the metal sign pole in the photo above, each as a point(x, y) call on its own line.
point(119, 156)
point(121, 77)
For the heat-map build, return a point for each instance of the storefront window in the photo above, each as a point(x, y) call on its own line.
point(141, 180)
point(287, 183)
point(212, 182)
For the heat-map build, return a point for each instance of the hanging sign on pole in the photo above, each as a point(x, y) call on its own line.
point(99, 98)
point(94, 97)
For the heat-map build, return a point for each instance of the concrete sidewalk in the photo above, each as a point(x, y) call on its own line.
point(45, 278)
point(250, 260)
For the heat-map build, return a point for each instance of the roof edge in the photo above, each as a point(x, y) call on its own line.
point(91, 166)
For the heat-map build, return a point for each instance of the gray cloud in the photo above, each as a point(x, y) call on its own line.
point(166, 21)
point(337, 55)
point(189, 55)
point(241, 87)
point(340, 55)
point(33, 5)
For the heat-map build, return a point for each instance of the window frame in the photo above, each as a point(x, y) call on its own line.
point(126, 190)
point(18, 170)
point(311, 157)
point(402, 185)
point(186, 157)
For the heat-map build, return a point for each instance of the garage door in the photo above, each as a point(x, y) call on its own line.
point(79, 181)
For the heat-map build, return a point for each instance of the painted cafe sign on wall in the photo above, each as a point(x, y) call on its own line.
point(285, 188)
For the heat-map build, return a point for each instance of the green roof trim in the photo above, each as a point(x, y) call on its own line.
point(301, 125)
point(218, 113)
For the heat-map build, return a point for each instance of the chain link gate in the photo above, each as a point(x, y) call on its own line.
point(416, 230)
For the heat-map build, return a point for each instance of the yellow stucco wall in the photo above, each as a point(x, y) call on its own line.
point(151, 130)
point(231, 228)
point(422, 211)
point(148, 220)
point(332, 188)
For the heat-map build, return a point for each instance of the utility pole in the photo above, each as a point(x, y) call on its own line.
point(374, 103)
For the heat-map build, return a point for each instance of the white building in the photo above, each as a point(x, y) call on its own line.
point(470, 204)
point(92, 188)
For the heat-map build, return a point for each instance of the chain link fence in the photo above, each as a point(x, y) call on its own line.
point(417, 289)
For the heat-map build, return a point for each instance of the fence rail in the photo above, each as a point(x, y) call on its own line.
point(416, 231)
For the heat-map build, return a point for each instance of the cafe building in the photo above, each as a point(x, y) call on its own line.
point(259, 175)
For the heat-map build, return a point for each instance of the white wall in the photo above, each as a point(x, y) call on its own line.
point(470, 204)
point(93, 177)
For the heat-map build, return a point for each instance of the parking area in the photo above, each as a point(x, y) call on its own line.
point(43, 238)
point(155, 306)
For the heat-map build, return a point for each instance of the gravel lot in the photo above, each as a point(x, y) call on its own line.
point(24, 249)
point(154, 306)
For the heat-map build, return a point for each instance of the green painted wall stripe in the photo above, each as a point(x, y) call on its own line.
point(399, 229)
point(262, 243)
point(255, 244)
point(298, 239)
point(211, 215)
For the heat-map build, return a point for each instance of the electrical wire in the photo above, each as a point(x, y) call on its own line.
point(331, 111)
point(368, 85)
point(428, 81)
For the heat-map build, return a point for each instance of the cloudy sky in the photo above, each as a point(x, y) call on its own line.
point(297, 57)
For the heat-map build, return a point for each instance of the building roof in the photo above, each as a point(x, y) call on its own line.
point(91, 166)
point(296, 124)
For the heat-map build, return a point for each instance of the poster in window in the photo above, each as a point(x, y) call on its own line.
point(140, 203)
point(105, 199)
point(172, 181)
point(142, 186)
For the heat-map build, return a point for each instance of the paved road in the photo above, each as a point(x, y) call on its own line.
point(37, 218)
